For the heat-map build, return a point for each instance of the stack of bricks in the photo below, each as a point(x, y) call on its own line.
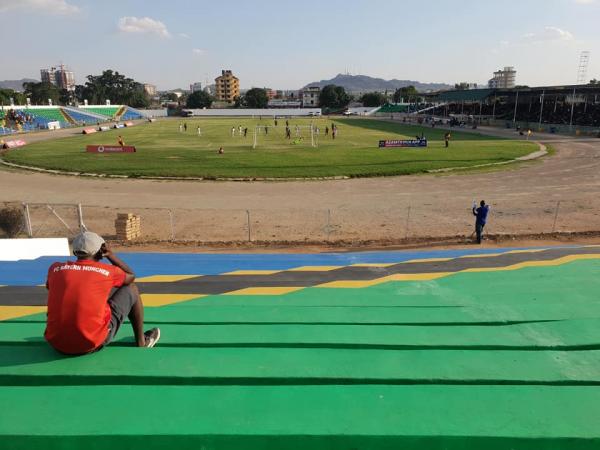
point(127, 227)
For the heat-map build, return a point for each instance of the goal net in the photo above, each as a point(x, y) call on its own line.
point(301, 135)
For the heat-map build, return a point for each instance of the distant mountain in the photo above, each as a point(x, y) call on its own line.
point(364, 83)
point(16, 85)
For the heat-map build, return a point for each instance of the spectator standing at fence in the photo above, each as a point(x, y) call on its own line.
point(447, 138)
point(481, 215)
point(83, 316)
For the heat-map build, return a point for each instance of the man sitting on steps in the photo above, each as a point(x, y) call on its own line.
point(83, 315)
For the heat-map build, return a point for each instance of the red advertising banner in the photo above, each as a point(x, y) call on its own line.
point(15, 143)
point(110, 149)
point(89, 131)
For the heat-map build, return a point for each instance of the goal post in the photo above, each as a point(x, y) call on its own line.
point(296, 132)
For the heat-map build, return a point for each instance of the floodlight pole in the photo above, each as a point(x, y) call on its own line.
point(516, 104)
point(541, 109)
point(572, 110)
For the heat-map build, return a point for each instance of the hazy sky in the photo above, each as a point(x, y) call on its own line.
point(286, 44)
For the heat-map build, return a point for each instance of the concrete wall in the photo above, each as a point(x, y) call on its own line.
point(256, 112)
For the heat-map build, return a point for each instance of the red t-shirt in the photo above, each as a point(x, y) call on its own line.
point(78, 310)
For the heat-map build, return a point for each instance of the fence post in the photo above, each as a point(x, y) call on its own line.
point(172, 226)
point(82, 226)
point(27, 217)
point(555, 216)
point(249, 227)
point(407, 222)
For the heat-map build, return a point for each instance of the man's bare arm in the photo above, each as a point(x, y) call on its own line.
point(116, 261)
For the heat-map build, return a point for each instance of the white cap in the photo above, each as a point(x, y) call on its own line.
point(87, 244)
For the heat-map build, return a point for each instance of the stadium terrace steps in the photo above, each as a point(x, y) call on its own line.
point(301, 417)
point(38, 365)
point(120, 112)
point(571, 334)
point(478, 360)
point(108, 111)
point(67, 117)
point(44, 115)
point(394, 109)
point(131, 114)
point(83, 115)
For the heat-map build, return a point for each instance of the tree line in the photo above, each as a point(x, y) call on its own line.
point(110, 85)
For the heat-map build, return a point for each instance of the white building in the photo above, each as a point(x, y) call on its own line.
point(310, 97)
point(60, 77)
point(197, 86)
point(504, 79)
point(150, 89)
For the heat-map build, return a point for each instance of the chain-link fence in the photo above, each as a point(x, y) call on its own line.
point(397, 223)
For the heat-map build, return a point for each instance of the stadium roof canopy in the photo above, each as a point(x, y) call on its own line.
point(471, 95)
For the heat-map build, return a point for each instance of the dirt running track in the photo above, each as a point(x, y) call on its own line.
point(524, 198)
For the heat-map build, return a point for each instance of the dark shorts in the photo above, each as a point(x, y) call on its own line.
point(121, 302)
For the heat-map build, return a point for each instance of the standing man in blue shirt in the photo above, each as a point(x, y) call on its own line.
point(481, 214)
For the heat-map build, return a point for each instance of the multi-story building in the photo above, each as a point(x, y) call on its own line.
point(271, 93)
point(60, 77)
point(150, 89)
point(310, 97)
point(194, 87)
point(227, 87)
point(504, 79)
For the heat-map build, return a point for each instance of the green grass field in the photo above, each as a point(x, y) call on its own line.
point(164, 151)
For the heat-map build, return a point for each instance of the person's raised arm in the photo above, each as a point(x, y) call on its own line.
point(116, 261)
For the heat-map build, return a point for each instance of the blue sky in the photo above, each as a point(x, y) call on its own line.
point(286, 44)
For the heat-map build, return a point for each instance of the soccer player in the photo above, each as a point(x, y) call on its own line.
point(232, 131)
point(83, 315)
point(447, 138)
point(199, 131)
point(481, 215)
point(121, 142)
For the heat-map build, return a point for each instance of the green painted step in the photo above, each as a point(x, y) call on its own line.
point(544, 335)
point(40, 365)
point(195, 313)
point(300, 417)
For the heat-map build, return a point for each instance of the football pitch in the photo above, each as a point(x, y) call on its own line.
point(164, 150)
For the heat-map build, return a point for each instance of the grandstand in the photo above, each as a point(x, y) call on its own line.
point(555, 108)
point(390, 108)
point(109, 112)
point(28, 118)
